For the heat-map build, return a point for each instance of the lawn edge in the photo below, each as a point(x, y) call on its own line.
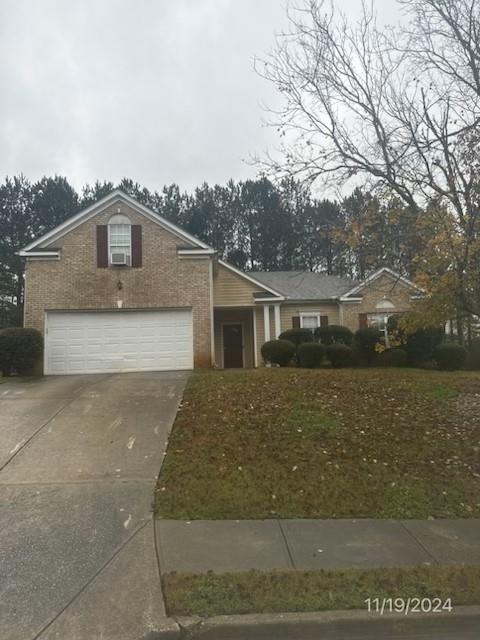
point(263, 625)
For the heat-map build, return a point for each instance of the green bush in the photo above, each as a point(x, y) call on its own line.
point(419, 345)
point(365, 341)
point(297, 336)
point(473, 357)
point(392, 358)
point(20, 350)
point(310, 355)
point(278, 352)
point(340, 355)
point(334, 333)
point(450, 356)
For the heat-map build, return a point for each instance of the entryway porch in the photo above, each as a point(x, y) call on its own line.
point(235, 338)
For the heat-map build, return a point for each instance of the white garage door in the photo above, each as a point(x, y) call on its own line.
point(104, 342)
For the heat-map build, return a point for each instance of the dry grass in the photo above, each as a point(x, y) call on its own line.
point(261, 592)
point(323, 443)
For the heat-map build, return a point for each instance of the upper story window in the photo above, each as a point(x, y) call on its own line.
point(119, 240)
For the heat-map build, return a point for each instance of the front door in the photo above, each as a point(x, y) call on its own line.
point(232, 346)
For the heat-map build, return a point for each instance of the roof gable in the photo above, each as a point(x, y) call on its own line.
point(112, 198)
point(252, 279)
point(384, 271)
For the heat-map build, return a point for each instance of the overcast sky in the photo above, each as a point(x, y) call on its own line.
point(159, 91)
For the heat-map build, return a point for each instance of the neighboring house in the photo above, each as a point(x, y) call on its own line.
point(118, 288)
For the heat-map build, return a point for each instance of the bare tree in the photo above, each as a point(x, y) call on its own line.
point(398, 108)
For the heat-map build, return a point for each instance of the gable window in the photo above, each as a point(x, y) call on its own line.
point(309, 320)
point(119, 240)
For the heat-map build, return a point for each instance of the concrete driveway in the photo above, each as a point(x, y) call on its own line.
point(79, 456)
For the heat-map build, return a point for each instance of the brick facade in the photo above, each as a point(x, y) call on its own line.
point(165, 280)
point(385, 287)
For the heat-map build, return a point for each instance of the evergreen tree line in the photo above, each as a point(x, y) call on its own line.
point(253, 224)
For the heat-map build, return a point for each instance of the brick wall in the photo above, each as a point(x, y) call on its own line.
point(384, 287)
point(165, 280)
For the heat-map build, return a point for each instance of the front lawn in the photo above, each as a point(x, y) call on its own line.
point(263, 592)
point(384, 443)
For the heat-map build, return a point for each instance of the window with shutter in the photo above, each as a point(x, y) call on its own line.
point(102, 246)
point(119, 240)
point(136, 245)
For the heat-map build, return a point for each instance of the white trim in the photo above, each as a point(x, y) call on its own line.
point(266, 322)
point(212, 318)
point(196, 252)
point(374, 276)
point(272, 299)
point(255, 340)
point(96, 207)
point(223, 324)
point(279, 296)
point(340, 314)
point(357, 300)
point(109, 251)
point(38, 254)
point(309, 314)
point(276, 315)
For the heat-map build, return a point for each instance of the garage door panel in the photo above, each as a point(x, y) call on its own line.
point(102, 342)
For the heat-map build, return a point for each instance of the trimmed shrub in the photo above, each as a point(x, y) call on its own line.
point(20, 350)
point(419, 345)
point(297, 336)
point(365, 341)
point(450, 356)
point(310, 355)
point(334, 333)
point(340, 355)
point(473, 357)
point(392, 358)
point(278, 352)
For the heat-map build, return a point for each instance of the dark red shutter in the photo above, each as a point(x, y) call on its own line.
point(296, 322)
point(362, 320)
point(102, 246)
point(136, 245)
point(324, 321)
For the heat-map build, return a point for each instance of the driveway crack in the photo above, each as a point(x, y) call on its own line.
point(90, 580)
point(47, 422)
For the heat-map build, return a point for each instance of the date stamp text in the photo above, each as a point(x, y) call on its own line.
point(408, 605)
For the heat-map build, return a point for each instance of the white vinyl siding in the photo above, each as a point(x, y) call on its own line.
point(116, 341)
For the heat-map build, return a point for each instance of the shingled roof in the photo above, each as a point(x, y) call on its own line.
point(305, 285)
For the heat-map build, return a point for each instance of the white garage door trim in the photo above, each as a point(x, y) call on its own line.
point(118, 341)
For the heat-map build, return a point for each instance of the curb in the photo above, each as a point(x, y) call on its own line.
point(332, 625)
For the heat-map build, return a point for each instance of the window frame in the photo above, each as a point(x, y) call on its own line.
point(385, 315)
point(310, 314)
point(112, 223)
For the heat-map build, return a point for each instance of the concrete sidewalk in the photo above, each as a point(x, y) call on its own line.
point(241, 545)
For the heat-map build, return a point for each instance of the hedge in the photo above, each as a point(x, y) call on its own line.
point(365, 342)
point(334, 333)
point(20, 350)
point(278, 352)
point(450, 356)
point(340, 355)
point(310, 355)
point(297, 336)
point(392, 358)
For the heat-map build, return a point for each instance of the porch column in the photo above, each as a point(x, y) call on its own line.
point(266, 321)
point(278, 331)
point(255, 341)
